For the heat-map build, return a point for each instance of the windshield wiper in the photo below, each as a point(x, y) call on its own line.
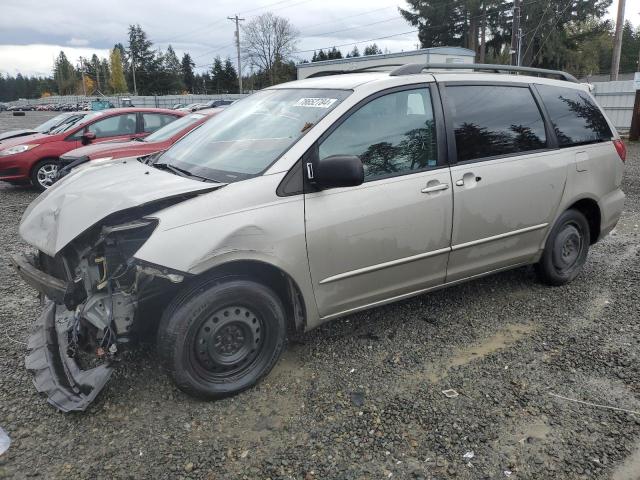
point(181, 171)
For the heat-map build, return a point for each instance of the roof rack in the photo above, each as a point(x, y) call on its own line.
point(414, 68)
point(325, 73)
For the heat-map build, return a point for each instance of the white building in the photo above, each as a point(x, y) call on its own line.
point(424, 55)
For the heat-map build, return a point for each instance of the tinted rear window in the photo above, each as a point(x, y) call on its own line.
point(490, 120)
point(575, 118)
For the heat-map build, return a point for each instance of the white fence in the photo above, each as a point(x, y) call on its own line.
point(616, 98)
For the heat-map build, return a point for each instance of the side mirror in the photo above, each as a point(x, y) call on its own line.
point(87, 137)
point(339, 171)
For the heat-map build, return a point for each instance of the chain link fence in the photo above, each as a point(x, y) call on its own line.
point(155, 101)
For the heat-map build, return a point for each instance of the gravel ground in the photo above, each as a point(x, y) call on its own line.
point(361, 397)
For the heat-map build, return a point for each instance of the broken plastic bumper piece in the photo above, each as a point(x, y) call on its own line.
point(55, 373)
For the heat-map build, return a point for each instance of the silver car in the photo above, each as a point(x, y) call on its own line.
point(306, 202)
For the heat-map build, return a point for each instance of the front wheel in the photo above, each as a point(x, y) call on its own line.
point(222, 336)
point(44, 174)
point(566, 249)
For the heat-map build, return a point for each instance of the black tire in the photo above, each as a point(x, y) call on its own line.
point(566, 249)
point(44, 174)
point(220, 337)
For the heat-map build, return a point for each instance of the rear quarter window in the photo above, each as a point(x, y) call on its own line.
point(494, 120)
point(576, 119)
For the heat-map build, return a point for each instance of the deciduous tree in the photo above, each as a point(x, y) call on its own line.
point(269, 41)
point(117, 82)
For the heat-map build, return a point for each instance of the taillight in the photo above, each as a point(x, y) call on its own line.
point(621, 149)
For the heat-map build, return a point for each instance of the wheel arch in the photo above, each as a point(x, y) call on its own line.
point(39, 161)
point(591, 210)
point(271, 276)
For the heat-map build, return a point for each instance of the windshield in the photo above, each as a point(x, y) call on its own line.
point(57, 121)
point(174, 127)
point(73, 121)
point(248, 136)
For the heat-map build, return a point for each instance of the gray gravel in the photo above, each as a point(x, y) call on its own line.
point(361, 397)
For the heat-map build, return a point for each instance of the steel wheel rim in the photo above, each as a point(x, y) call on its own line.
point(569, 245)
point(47, 174)
point(226, 343)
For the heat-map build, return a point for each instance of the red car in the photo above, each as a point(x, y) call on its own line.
point(35, 158)
point(141, 147)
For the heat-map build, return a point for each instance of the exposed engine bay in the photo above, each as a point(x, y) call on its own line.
point(94, 290)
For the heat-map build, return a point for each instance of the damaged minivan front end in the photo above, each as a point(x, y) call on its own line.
point(92, 286)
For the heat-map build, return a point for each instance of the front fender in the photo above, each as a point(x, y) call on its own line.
point(271, 232)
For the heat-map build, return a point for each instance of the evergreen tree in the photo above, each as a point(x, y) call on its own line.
point(188, 77)
point(630, 48)
point(555, 30)
point(372, 49)
point(143, 59)
point(354, 53)
point(230, 77)
point(172, 73)
point(105, 75)
point(334, 53)
point(217, 75)
point(63, 73)
point(92, 69)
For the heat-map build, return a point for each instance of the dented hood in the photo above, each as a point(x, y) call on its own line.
point(89, 194)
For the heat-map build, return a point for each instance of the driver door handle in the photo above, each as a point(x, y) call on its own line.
point(435, 188)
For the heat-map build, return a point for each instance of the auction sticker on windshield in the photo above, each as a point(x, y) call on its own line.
point(315, 102)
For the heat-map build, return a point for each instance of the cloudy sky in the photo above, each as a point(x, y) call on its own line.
point(32, 32)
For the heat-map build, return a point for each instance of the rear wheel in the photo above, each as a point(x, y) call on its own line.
point(566, 249)
point(44, 174)
point(221, 337)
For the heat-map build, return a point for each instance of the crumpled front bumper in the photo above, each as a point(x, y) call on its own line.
point(55, 373)
point(52, 287)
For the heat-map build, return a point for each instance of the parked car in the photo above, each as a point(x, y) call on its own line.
point(35, 158)
point(178, 105)
point(140, 147)
point(308, 201)
point(217, 103)
point(46, 127)
point(192, 107)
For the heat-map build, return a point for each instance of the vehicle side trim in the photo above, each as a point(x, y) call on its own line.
point(413, 258)
point(380, 266)
point(480, 241)
point(419, 292)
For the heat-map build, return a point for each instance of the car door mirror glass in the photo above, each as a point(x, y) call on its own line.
point(339, 171)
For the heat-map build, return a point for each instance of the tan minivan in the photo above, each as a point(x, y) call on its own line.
point(309, 201)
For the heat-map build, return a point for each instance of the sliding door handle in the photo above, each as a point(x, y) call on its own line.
point(435, 188)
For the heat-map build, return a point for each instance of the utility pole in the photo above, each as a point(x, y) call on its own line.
point(236, 19)
point(84, 87)
point(515, 32)
point(483, 34)
point(617, 42)
point(519, 46)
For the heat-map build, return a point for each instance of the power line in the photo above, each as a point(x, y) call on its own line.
point(214, 49)
point(356, 43)
point(350, 16)
point(354, 27)
point(221, 20)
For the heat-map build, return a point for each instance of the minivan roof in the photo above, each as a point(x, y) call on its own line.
point(351, 81)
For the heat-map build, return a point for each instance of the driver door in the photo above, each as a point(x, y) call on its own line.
point(121, 127)
point(390, 236)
